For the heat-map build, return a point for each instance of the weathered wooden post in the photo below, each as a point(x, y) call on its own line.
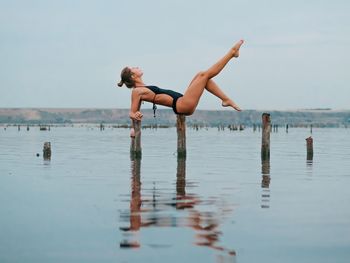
point(309, 148)
point(265, 139)
point(181, 135)
point(47, 151)
point(135, 148)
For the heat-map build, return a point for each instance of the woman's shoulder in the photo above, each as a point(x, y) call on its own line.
point(141, 90)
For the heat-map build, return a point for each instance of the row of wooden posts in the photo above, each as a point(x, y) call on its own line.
point(221, 127)
point(136, 150)
point(41, 127)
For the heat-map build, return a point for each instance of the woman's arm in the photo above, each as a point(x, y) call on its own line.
point(135, 105)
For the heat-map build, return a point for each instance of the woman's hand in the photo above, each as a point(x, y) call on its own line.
point(136, 115)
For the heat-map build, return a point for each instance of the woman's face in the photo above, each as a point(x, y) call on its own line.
point(136, 71)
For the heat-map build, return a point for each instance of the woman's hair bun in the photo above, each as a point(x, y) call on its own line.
point(120, 83)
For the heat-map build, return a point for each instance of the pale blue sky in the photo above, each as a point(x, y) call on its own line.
point(69, 53)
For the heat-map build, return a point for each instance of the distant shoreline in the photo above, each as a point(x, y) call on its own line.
point(318, 117)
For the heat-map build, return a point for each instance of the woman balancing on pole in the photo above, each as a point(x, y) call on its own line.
point(181, 104)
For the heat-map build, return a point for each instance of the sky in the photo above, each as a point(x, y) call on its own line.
point(69, 53)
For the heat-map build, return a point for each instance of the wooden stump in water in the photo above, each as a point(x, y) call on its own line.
point(181, 135)
point(135, 148)
point(47, 151)
point(309, 148)
point(265, 140)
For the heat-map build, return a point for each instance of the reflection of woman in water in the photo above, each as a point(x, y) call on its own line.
point(181, 104)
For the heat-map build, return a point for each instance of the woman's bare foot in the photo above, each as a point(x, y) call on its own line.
point(235, 49)
point(230, 103)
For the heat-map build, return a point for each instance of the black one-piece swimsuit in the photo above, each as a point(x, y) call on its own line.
point(175, 95)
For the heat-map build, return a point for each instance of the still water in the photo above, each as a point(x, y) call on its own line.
point(92, 203)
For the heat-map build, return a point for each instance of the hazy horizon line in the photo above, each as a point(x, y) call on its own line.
point(257, 109)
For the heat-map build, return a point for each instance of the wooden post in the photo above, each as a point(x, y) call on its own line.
point(265, 139)
point(181, 135)
point(309, 148)
point(47, 151)
point(135, 149)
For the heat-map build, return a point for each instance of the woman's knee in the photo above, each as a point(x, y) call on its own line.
point(185, 106)
point(202, 74)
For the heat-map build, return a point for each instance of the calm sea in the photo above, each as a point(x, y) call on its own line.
point(92, 203)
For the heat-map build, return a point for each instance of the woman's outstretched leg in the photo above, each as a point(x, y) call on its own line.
point(213, 88)
point(218, 66)
point(188, 103)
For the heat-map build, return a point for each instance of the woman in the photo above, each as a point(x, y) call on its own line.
point(181, 104)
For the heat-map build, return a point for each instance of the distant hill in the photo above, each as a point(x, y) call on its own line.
point(317, 117)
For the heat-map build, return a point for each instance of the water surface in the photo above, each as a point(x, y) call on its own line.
point(92, 203)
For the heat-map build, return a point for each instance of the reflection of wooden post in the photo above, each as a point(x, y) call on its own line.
point(135, 149)
point(135, 204)
point(265, 183)
point(47, 151)
point(181, 136)
point(181, 177)
point(265, 140)
point(309, 148)
point(265, 171)
point(265, 159)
